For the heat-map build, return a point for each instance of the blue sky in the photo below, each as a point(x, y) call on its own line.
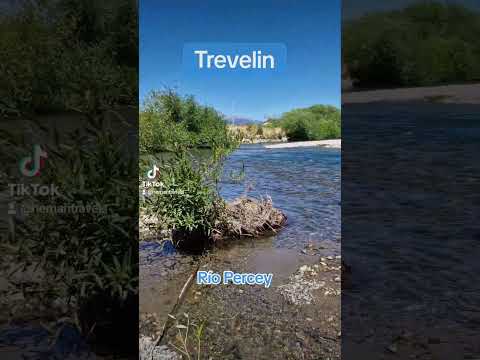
point(309, 29)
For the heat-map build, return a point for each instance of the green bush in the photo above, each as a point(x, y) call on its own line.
point(427, 43)
point(188, 142)
point(317, 122)
point(169, 122)
point(68, 55)
point(185, 200)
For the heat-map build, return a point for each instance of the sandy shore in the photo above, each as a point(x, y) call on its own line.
point(457, 94)
point(335, 143)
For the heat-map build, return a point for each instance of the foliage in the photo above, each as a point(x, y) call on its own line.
point(426, 43)
point(317, 122)
point(169, 122)
point(185, 200)
point(62, 55)
point(188, 142)
point(92, 251)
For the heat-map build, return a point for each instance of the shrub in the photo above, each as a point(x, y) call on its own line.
point(172, 129)
point(185, 202)
point(427, 43)
point(169, 122)
point(67, 55)
point(317, 122)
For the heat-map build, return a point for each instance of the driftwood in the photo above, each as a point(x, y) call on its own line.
point(248, 217)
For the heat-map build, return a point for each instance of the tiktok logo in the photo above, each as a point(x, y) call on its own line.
point(31, 165)
point(152, 174)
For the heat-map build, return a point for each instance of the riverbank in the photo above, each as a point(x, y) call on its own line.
point(454, 94)
point(334, 143)
point(298, 317)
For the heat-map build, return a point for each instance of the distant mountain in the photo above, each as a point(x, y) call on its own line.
point(241, 121)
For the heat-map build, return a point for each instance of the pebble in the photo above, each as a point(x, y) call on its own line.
point(392, 348)
point(303, 268)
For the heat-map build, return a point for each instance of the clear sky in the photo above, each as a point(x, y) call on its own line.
point(310, 29)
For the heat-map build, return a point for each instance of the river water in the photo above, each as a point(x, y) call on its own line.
point(303, 182)
point(410, 229)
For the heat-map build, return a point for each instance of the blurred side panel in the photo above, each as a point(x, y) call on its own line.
point(410, 180)
point(69, 179)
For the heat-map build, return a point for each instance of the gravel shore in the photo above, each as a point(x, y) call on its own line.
point(298, 317)
point(334, 143)
point(458, 94)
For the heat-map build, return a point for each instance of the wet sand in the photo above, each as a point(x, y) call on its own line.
point(298, 317)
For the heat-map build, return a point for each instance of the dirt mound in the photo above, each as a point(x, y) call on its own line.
point(249, 217)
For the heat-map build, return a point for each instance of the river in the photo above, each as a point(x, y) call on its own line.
point(303, 182)
point(244, 321)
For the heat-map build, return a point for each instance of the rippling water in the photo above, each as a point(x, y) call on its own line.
point(302, 182)
point(410, 217)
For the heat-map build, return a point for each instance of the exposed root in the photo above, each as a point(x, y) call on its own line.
point(248, 217)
